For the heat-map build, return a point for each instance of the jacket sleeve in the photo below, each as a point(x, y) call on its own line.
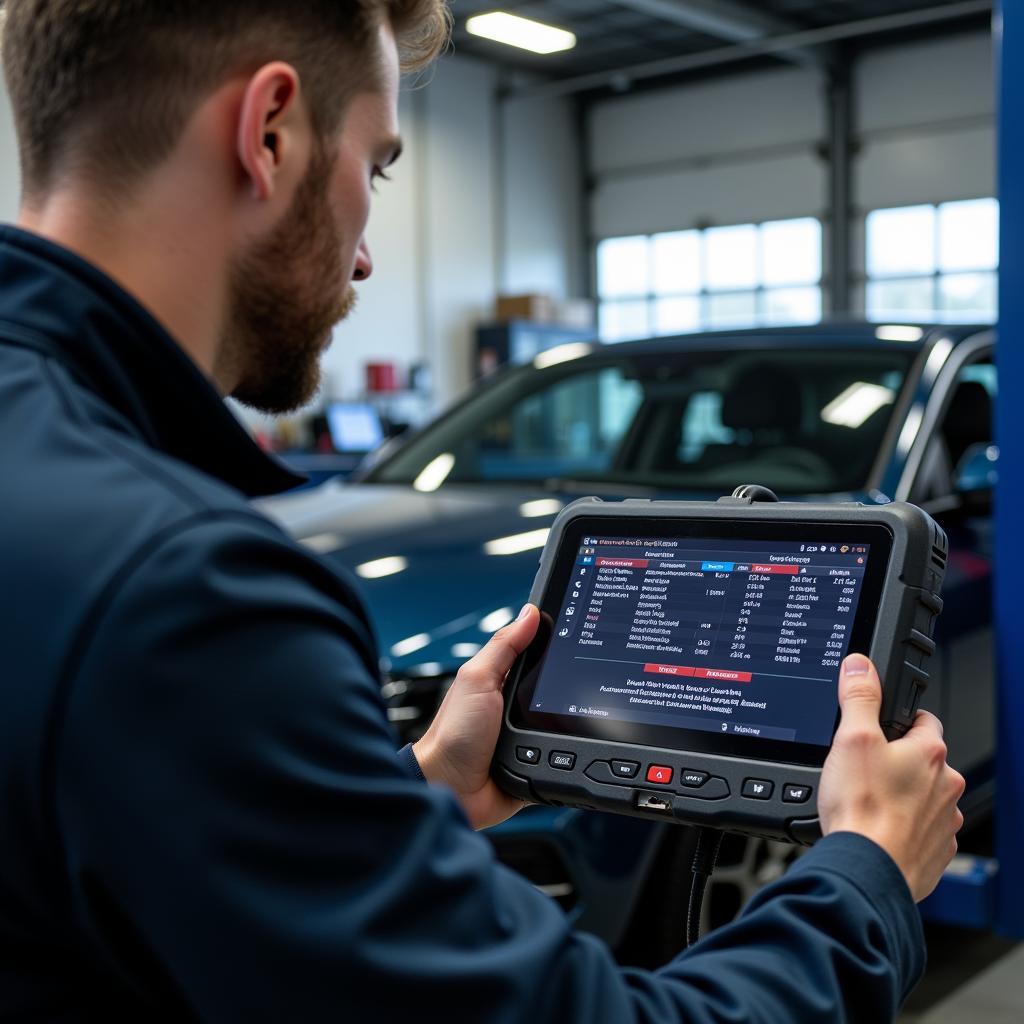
point(244, 844)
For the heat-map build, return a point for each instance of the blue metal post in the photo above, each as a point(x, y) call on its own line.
point(1009, 606)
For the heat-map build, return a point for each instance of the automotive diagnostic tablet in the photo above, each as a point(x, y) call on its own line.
point(688, 659)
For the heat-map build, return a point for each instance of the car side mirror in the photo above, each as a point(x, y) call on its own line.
point(975, 477)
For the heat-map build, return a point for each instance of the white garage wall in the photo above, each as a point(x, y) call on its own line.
point(10, 176)
point(746, 147)
point(721, 152)
point(541, 244)
point(925, 117)
point(462, 217)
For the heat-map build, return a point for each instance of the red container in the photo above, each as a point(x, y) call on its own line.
point(381, 377)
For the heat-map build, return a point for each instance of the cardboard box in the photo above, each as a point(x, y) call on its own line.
point(538, 308)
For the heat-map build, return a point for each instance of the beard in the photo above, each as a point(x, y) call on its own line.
point(286, 295)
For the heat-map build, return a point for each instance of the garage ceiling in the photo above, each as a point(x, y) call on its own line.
point(617, 37)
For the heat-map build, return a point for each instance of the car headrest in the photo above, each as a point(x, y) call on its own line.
point(969, 417)
point(764, 396)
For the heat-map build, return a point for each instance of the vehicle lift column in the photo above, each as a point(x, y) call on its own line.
point(1009, 520)
point(982, 892)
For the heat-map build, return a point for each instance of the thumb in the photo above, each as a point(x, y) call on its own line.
point(860, 693)
point(487, 670)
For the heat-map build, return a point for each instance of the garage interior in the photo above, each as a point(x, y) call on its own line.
point(686, 167)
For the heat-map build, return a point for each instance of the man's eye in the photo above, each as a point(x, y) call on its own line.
point(378, 175)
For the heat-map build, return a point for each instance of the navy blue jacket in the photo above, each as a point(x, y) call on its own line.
point(202, 813)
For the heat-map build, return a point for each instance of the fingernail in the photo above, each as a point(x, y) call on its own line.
point(856, 665)
point(524, 611)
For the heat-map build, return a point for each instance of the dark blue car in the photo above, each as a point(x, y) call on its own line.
point(445, 528)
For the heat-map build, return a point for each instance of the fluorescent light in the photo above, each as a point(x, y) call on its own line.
point(898, 332)
point(522, 32)
point(540, 507)
point(435, 472)
point(517, 542)
point(561, 354)
point(854, 406)
point(324, 543)
point(494, 621)
point(465, 650)
point(410, 645)
point(380, 567)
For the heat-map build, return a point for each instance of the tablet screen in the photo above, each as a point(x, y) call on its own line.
point(734, 641)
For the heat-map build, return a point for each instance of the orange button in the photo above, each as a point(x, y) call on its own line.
point(660, 774)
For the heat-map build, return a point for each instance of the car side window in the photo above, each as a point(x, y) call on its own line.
point(966, 422)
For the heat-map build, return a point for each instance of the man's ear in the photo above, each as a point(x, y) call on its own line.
point(268, 126)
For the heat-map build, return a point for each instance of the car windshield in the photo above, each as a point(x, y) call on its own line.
point(799, 420)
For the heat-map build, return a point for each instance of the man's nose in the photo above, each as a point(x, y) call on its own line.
point(364, 262)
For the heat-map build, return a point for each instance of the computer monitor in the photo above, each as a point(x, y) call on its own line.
point(355, 427)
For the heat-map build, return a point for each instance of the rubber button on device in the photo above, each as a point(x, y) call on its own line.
point(795, 794)
point(528, 755)
point(693, 779)
point(758, 789)
point(562, 759)
point(660, 774)
point(625, 769)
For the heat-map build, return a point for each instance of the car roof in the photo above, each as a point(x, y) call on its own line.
point(856, 334)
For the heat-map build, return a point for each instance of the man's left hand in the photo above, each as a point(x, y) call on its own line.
point(456, 750)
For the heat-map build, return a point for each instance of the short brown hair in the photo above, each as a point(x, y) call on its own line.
point(107, 86)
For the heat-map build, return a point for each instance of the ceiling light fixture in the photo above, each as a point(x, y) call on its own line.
point(522, 32)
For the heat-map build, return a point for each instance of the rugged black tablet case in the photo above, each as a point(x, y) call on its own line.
point(900, 647)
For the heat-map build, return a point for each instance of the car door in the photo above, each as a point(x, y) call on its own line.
point(958, 420)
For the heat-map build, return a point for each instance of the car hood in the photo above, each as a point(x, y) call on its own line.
point(450, 591)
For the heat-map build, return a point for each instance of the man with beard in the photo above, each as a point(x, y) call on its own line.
point(203, 816)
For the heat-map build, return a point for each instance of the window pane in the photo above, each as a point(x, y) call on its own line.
point(675, 258)
point(735, 309)
point(791, 251)
point(731, 255)
point(968, 296)
point(622, 267)
point(623, 321)
point(969, 235)
point(908, 299)
point(901, 241)
point(791, 306)
point(676, 315)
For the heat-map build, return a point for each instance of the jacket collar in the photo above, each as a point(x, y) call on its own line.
point(55, 301)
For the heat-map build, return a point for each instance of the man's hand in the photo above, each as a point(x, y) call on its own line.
point(902, 794)
point(456, 750)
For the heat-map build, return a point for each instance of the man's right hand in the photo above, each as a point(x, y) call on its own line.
point(903, 794)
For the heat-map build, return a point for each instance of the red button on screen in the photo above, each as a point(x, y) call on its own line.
point(660, 774)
